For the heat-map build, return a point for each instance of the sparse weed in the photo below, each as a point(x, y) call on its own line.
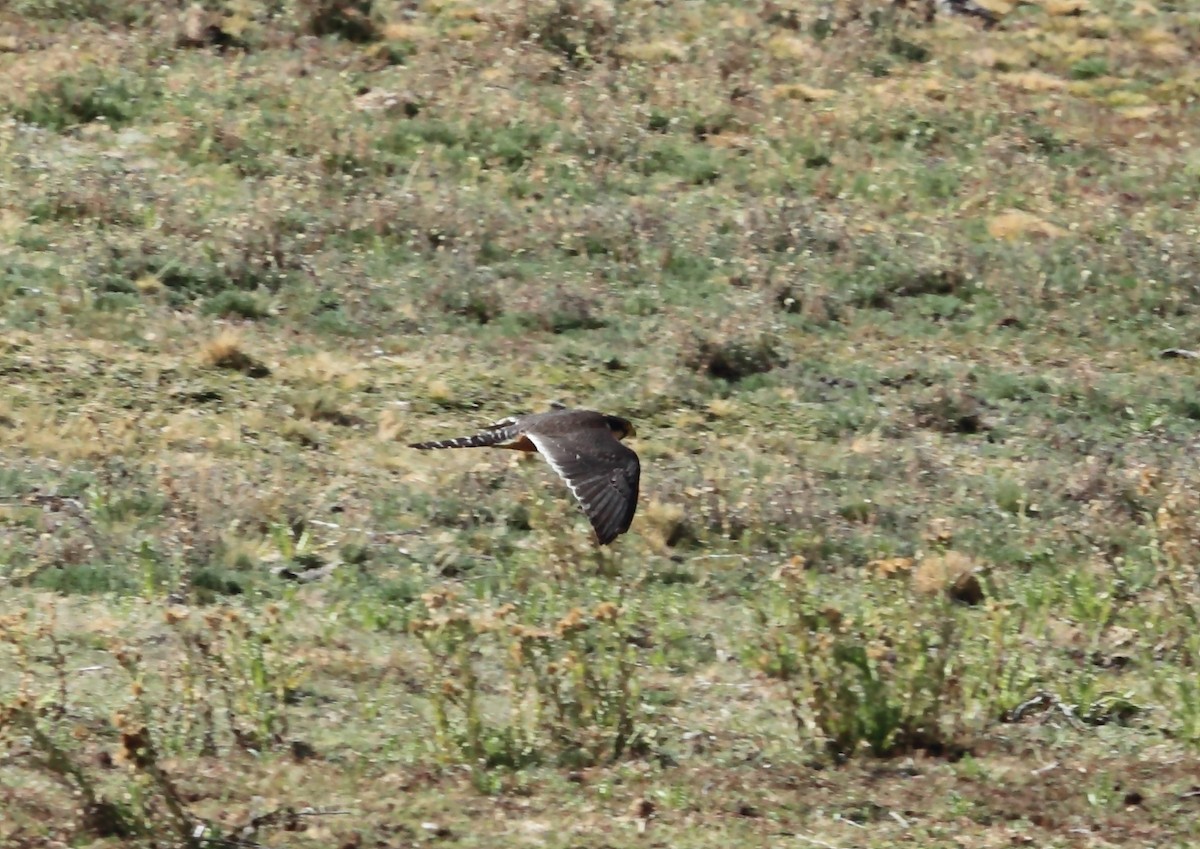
point(571, 690)
point(235, 678)
point(896, 674)
point(583, 672)
point(850, 267)
point(226, 670)
point(1175, 550)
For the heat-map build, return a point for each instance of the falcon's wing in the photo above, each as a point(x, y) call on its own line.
point(602, 473)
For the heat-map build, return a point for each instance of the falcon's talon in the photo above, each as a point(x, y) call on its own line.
point(584, 448)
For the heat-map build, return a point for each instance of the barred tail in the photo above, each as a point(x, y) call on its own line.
point(478, 440)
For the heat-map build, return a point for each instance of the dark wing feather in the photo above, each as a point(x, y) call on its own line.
point(602, 474)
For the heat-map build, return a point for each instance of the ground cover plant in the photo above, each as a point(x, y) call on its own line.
point(903, 305)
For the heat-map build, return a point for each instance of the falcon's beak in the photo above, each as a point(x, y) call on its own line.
point(629, 431)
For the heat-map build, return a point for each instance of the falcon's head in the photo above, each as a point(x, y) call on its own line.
point(621, 428)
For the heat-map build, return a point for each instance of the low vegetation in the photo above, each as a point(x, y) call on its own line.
point(904, 310)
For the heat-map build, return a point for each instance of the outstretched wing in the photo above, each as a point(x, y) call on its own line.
point(602, 474)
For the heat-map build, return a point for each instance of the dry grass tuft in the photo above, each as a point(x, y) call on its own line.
point(440, 392)
point(950, 572)
point(793, 48)
point(1065, 8)
point(802, 92)
point(1016, 224)
point(405, 31)
point(1034, 81)
point(654, 52)
point(666, 524)
point(226, 351)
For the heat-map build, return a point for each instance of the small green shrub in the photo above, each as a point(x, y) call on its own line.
point(116, 12)
point(92, 93)
point(579, 33)
point(571, 689)
point(736, 358)
point(950, 411)
point(353, 20)
point(907, 50)
point(477, 298)
point(229, 682)
point(892, 674)
point(234, 304)
point(562, 311)
point(1089, 68)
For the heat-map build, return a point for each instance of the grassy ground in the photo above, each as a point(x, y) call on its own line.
point(916, 560)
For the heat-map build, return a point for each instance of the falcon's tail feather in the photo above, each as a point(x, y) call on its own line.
point(487, 439)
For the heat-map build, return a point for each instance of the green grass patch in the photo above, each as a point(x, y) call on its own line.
point(885, 298)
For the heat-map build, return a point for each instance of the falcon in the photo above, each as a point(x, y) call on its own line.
point(584, 448)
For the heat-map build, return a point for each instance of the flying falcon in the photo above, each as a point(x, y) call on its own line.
point(584, 448)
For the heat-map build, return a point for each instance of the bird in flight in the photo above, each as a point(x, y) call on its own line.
point(584, 448)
